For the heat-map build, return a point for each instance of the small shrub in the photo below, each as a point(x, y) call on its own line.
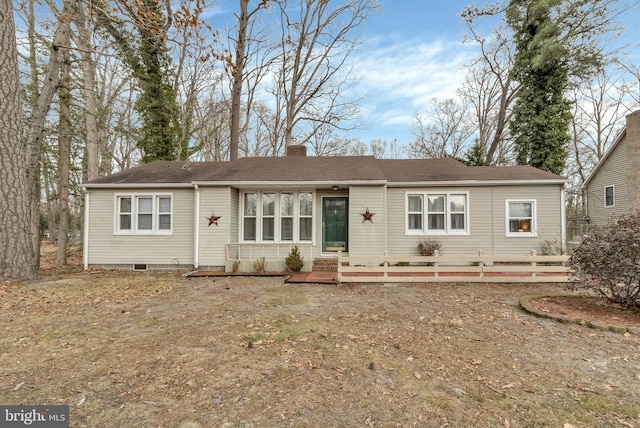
point(428, 247)
point(402, 264)
point(236, 266)
point(259, 265)
point(608, 261)
point(294, 260)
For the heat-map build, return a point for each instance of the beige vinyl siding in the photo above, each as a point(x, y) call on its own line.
point(107, 248)
point(234, 215)
point(613, 172)
point(548, 218)
point(486, 222)
point(366, 238)
point(213, 239)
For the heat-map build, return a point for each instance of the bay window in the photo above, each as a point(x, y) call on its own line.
point(436, 213)
point(277, 216)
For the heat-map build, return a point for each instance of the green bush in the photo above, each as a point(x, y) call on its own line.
point(294, 260)
point(608, 261)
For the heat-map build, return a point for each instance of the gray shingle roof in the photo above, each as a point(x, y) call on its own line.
point(320, 169)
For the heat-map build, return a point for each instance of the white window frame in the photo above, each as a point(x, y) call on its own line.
point(155, 214)
point(613, 196)
point(425, 230)
point(277, 217)
point(533, 227)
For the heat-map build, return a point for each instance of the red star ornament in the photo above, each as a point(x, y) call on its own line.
point(213, 220)
point(367, 216)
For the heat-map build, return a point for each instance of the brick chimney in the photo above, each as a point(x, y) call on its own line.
point(633, 153)
point(296, 150)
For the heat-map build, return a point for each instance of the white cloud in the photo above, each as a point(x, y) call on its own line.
point(401, 77)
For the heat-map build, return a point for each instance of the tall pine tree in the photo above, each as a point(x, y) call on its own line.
point(541, 116)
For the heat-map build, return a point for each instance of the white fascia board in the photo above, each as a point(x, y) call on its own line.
point(137, 185)
point(291, 184)
point(476, 183)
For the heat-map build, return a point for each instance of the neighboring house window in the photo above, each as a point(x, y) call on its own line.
point(609, 196)
point(143, 214)
point(521, 218)
point(446, 213)
point(284, 216)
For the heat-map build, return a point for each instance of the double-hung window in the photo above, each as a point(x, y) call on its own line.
point(143, 214)
point(609, 196)
point(521, 217)
point(277, 216)
point(437, 213)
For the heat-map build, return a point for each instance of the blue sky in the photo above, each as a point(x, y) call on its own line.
point(413, 53)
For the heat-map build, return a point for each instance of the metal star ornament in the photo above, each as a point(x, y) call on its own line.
point(367, 216)
point(213, 219)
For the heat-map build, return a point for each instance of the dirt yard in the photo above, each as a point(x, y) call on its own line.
point(149, 350)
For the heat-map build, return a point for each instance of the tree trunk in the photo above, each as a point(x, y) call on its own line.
point(236, 91)
point(38, 118)
point(88, 92)
point(64, 155)
point(16, 255)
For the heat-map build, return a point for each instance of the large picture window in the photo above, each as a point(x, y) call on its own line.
point(521, 218)
point(436, 213)
point(144, 214)
point(277, 216)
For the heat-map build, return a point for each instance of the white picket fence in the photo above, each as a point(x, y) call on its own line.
point(528, 268)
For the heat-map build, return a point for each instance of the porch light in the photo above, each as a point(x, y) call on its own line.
point(334, 188)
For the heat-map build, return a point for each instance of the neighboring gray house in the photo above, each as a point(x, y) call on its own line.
point(613, 187)
point(206, 215)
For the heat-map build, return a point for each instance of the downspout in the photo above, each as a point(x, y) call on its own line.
point(386, 248)
point(196, 238)
point(85, 232)
point(563, 219)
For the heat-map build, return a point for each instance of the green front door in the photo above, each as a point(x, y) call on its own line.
point(334, 224)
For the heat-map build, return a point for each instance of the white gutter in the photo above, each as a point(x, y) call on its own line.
point(136, 185)
point(85, 232)
point(459, 183)
point(292, 184)
point(196, 238)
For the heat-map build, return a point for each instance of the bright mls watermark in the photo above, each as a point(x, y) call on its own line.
point(34, 416)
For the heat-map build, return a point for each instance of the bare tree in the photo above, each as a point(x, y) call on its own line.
point(83, 39)
point(17, 258)
point(491, 92)
point(39, 114)
point(315, 45)
point(443, 131)
point(244, 24)
point(598, 117)
point(64, 155)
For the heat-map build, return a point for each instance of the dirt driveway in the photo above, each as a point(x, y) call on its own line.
point(145, 350)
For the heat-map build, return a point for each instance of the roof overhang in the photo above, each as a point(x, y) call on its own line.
point(291, 184)
point(477, 183)
point(136, 185)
